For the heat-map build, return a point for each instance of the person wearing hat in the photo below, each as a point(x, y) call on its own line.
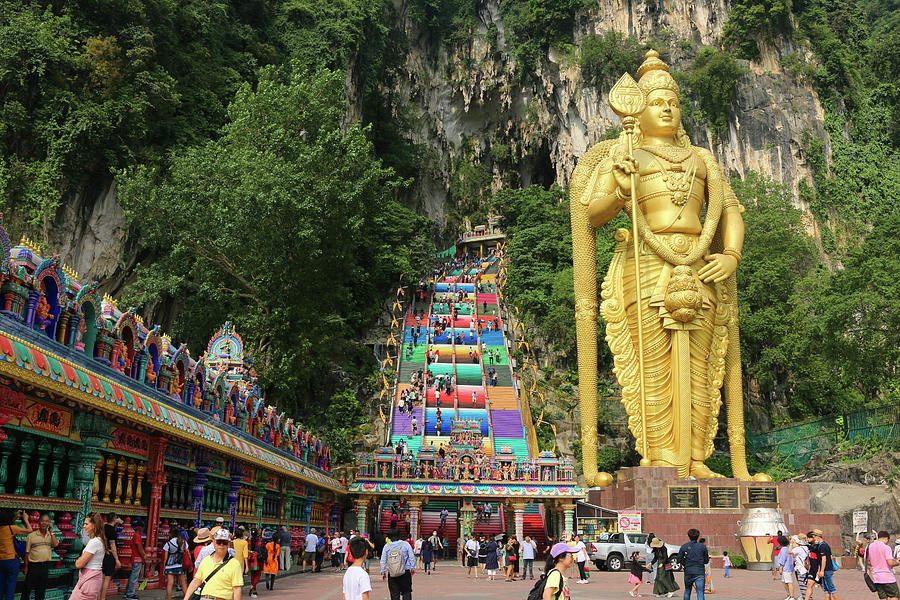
point(221, 577)
point(826, 567)
point(201, 541)
point(663, 582)
point(210, 547)
point(562, 556)
point(220, 523)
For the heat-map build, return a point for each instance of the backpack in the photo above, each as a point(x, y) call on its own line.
point(537, 592)
point(396, 566)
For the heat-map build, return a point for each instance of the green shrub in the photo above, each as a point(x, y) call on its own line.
point(748, 20)
point(610, 459)
point(606, 56)
point(711, 83)
point(737, 560)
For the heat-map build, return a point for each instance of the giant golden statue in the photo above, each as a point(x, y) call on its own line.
point(676, 346)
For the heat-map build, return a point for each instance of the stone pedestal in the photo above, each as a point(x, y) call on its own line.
point(649, 490)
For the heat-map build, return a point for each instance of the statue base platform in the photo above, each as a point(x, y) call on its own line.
point(670, 505)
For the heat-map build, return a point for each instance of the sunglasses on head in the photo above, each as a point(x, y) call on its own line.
point(222, 542)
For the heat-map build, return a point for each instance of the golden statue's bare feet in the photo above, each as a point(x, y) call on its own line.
point(701, 471)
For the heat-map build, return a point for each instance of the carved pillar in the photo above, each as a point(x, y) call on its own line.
point(142, 370)
point(132, 468)
point(43, 451)
point(236, 477)
point(362, 514)
point(27, 447)
point(156, 476)
point(6, 448)
point(33, 297)
point(61, 330)
point(110, 469)
point(95, 432)
point(58, 453)
point(139, 484)
point(200, 479)
point(307, 511)
point(415, 507)
point(287, 500)
point(519, 508)
point(74, 324)
point(121, 465)
point(98, 469)
point(568, 517)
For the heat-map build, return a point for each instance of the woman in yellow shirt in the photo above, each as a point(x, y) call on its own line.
point(562, 556)
point(227, 582)
point(9, 562)
point(241, 549)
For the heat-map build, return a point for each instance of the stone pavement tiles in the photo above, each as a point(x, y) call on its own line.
point(450, 583)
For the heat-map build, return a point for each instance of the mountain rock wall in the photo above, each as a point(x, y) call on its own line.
point(468, 98)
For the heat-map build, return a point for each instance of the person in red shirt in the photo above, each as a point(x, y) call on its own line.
point(137, 561)
point(775, 548)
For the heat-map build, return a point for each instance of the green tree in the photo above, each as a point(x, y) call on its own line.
point(285, 225)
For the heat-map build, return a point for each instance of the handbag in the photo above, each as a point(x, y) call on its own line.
point(19, 546)
point(199, 591)
point(869, 583)
point(187, 561)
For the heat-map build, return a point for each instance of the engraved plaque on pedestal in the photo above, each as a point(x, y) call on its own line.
point(687, 496)
point(762, 495)
point(724, 497)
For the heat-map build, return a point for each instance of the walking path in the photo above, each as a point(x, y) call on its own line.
point(450, 583)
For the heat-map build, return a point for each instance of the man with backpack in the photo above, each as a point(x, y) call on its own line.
point(693, 556)
point(398, 565)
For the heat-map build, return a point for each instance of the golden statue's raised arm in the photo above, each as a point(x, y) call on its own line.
point(673, 363)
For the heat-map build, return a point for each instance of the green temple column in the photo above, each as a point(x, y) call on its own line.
point(467, 518)
point(95, 432)
point(57, 455)
point(43, 453)
point(27, 447)
point(287, 500)
point(6, 448)
point(262, 479)
point(307, 511)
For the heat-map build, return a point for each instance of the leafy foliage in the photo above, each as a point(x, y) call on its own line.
point(285, 225)
point(536, 25)
point(752, 20)
point(606, 56)
point(711, 82)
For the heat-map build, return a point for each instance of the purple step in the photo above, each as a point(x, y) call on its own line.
point(402, 423)
point(507, 423)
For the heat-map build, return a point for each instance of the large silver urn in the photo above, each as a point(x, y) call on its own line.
point(760, 523)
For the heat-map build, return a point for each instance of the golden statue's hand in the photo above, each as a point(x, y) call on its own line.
point(719, 268)
point(622, 171)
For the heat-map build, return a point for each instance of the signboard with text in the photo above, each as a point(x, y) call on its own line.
point(629, 520)
point(860, 521)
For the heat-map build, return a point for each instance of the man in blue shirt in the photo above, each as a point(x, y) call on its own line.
point(693, 556)
point(399, 578)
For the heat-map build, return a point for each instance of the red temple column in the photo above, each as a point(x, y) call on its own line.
point(156, 477)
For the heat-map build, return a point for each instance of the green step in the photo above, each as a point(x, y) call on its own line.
point(519, 446)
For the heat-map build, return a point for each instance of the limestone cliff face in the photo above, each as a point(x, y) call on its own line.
point(469, 96)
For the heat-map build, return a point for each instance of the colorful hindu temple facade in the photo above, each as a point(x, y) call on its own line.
point(99, 412)
point(462, 439)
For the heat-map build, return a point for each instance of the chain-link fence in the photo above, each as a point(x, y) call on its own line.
point(797, 444)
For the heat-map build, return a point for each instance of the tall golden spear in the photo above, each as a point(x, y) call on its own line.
point(628, 101)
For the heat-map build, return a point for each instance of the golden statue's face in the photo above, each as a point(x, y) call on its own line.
point(662, 116)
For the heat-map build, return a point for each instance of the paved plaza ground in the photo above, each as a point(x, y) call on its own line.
point(450, 583)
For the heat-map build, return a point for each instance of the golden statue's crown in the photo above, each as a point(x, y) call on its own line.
point(654, 74)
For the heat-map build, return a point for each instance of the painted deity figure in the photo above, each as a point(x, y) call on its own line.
point(43, 312)
point(150, 373)
point(687, 289)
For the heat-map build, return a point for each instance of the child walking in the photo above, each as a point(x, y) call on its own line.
point(356, 580)
point(637, 573)
point(726, 562)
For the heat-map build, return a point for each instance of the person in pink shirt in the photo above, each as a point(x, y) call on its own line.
point(879, 560)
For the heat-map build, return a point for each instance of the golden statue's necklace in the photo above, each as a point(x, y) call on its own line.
point(676, 177)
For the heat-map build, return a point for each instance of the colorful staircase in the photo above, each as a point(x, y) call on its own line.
point(476, 327)
point(431, 521)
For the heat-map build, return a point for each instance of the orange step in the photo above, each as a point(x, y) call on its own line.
point(502, 398)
